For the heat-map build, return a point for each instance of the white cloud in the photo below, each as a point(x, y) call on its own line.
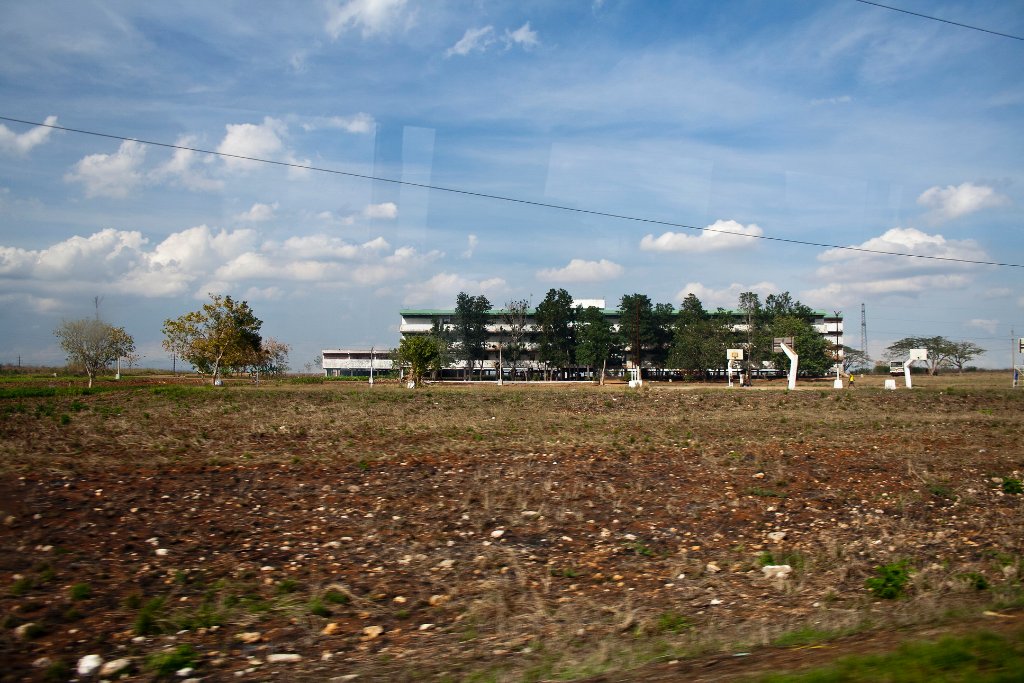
point(441, 289)
point(22, 144)
point(989, 326)
point(473, 40)
point(110, 175)
point(32, 303)
point(721, 234)
point(181, 168)
point(385, 210)
point(947, 203)
point(522, 36)
point(842, 99)
point(853, 274)
point(356, 124)
point(727, 297)
point(579, 270)
point(371, 17)
point(201, 259)
point(257, 141)
point(471, 242)
point(258, 213)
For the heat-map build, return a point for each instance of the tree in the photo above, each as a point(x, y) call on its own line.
point(814, 350)
point(444, 339)
point(556, 341)
point(753, 321)
point(636, 325)
point(700, 339)
point(513, 320)
point(470, 323)
point(961, 353)
point(273, 357)
point(224, 332)
point(93, 344)
point(855, 359)
point(939, 350)
point(595, 340)
point(420, 353)
point(776, 305)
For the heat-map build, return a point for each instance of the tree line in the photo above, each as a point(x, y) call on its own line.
point(691, 338)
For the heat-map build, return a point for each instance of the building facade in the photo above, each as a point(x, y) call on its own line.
point(354, 362)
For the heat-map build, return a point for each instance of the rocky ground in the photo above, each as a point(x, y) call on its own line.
point(338, 533)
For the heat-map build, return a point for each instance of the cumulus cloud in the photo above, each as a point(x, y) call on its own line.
point(370, 17)
point(522, 36)
point(473, 40)
point(184, 168)
point(198, 258)
point(110, 175)
point(726, 297)
point(257, 141)
point(579, 270)
point(384, 210)
point(853, 274)
point(258, 213)
point(721, 234)
point(23, 143)
point(947, 203)
point(441, 289)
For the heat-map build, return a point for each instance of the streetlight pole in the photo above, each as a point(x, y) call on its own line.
point(371, 365)
point(838, 350)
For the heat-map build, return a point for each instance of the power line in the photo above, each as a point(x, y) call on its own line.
point(512, 200)
point(944, 21)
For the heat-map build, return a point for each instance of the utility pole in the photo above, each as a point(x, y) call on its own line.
point(863, 332)
point(838, 349)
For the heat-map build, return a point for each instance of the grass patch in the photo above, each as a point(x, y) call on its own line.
point(980, 658)
point(166, 663)
point(80, 591)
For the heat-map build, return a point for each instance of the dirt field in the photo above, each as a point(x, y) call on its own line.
point(483, 533)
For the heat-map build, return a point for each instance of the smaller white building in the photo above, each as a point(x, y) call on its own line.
point(354, 362)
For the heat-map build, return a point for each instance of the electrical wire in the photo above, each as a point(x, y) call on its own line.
point(944, 21)
point(511, 200)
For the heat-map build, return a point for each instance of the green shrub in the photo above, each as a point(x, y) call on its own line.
point(166, 663)
point(80, 591)
point(890, 581)
point(1013, 486)
point(147, 620)
point(672, 622)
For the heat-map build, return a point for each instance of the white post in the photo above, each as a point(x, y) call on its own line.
point(906, 373)
point(501, 379)
point(371, 366)
point(118, 375)
point(794, 360)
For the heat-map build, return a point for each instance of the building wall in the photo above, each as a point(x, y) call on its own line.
point(353, 362)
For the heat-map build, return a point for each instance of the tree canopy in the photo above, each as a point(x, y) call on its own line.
point(470, 323)
point(224, 332)
point(93, 344)
point(555, 318)
point(941, 351)
point(421, 354)
point(595, 340)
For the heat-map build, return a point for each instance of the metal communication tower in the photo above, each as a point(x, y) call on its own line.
point(863, 332)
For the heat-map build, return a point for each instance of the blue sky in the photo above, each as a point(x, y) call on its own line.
point(828, 121)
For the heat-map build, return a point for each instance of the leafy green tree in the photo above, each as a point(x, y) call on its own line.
point(637, 326)
point(814, 350)
point(778, 305)
point(754, 331)
point(421, 354)
point(470, 327)
point(700, 339)
point(595, 340)
point(556, 340)
point(223, 333)
point(444, 339)
point(93, 344)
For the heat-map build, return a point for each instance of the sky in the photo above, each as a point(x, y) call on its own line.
point(826, 121)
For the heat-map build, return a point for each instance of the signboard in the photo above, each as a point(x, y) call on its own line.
point(734, 354)
point(779, 341)
point(918, 354)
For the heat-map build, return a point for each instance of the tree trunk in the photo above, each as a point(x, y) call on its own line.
point(604, 364)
